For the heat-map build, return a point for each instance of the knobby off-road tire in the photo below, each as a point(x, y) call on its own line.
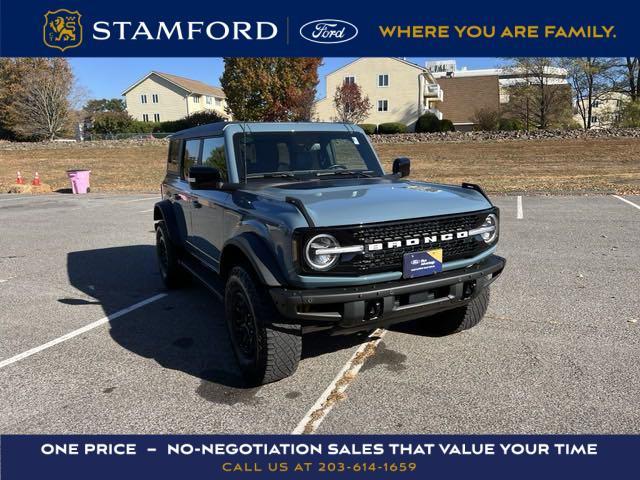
point(266, 349)
point(464, 318)
point(167, 252)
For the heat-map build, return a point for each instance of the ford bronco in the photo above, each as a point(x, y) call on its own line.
point(297, 227)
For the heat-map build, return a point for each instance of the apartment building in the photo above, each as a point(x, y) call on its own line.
point(399, 91)
point(467, 91)
point(158, 97)
point(605, 110)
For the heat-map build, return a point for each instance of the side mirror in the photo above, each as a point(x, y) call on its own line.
point(402, 167)
point(204, 178)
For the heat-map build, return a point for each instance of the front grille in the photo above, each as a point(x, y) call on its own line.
point(390, 259)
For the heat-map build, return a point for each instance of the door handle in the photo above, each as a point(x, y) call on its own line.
point(196, 204)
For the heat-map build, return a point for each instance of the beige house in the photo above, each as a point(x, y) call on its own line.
point(158, 97)
point(399, 91)
point(605, 111)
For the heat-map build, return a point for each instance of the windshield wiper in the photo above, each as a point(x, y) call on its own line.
point(272, 175)
point(357, 173)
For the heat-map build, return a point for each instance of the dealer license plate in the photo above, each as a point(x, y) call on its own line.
point(421, 264)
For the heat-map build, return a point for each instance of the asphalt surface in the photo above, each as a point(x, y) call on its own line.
point(558, 351)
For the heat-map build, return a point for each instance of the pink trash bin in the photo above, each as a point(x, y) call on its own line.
point(79, 180)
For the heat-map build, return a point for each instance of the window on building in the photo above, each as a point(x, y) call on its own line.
point(383, 105)
point(596, 104)
point(143, 99)
point(154, 98)
point(383, 80)
point(196, 99)
point(145, 117)
point(218, 102)
point(213, 155)
point(594, 119)
point(156, 117)
point(190, 156)
point(349, 79)
point(209, 100)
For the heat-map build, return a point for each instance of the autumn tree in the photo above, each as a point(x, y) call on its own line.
point(538, 99)
point(40, 104)
point(592, 79)
point(270, 89)
point(13, 71)
point(351, 106)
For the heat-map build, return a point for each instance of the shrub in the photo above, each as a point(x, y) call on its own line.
point(392, 127)
point(486, 119)
point(369, 128)
point(446, 125)
point(509, 124)
point(630, 115)
point(195, 120)
point(111, 123)
point(428, 123)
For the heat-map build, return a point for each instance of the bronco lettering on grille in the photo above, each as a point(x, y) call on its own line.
point(443, 237)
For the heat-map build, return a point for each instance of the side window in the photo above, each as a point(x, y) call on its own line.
point(213, 155)
point(190, 156)
point(173, 160)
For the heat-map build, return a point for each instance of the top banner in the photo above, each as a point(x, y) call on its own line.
point(205, 29)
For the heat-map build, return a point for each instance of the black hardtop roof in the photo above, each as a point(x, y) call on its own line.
point(212, 129)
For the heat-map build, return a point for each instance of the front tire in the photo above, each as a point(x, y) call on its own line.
point(266, 349)
point(464, 318)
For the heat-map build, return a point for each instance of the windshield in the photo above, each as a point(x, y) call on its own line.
point(293, 154)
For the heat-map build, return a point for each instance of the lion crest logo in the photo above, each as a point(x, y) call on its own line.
point(62, 29)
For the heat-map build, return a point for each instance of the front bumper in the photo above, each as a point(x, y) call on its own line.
point(349, 309)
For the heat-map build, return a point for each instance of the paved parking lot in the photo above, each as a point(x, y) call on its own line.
point(559, 350)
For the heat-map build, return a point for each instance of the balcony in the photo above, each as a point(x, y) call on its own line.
point(432, 91)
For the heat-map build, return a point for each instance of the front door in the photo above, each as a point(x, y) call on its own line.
point(207, 209)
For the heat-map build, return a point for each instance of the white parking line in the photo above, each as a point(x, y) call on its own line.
point(335, 391)
point(627, 201)
point(140, 199)
point(146, 211)
point(79, 331)
point(519, 213)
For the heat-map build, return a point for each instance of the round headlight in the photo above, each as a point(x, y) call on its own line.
point(490, 226)
point(313, 252)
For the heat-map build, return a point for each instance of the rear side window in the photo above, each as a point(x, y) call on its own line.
point(190, 156)
point(173, 160)
point(213, 155)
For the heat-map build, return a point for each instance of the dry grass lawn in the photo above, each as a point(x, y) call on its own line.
point(552, 166)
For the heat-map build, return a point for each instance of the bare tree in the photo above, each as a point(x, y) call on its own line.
point(631, 78)
point(592, 79)
point(43, 105)
point(537, 94)
point(351, 106)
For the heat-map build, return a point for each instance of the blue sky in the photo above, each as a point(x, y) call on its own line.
point(108, 77)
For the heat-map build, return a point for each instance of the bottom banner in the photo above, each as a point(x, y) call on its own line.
point(286, 456)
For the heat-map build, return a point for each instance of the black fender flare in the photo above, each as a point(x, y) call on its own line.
point(259, 255)
point(164, 211)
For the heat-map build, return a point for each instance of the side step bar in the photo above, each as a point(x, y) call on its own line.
point(206, 276)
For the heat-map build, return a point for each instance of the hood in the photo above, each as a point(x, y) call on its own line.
point(358, 201)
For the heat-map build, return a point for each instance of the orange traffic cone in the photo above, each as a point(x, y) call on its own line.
point(19, 179)
point(36, 180)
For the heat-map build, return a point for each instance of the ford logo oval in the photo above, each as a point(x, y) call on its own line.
point(328, 30)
